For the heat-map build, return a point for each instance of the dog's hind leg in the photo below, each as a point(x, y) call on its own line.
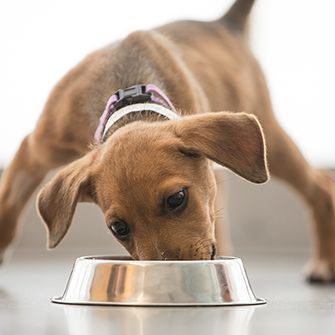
point(318, 190)
point(35, 157)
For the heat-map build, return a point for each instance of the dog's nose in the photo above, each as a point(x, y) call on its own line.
point(213, 251)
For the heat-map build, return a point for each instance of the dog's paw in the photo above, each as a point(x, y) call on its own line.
point(320, 271)
point(2, 257)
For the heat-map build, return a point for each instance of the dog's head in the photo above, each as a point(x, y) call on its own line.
point(155, 185)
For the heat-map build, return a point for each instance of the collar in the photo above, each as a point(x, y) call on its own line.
point(134, 99)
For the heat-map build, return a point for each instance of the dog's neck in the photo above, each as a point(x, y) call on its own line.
point(145, 103)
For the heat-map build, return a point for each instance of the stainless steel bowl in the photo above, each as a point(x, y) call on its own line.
point(101, 280)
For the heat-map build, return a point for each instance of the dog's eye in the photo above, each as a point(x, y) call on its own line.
point(176, 200)
point(120, 229)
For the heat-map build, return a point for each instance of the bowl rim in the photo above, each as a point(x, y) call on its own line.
point(120, 259)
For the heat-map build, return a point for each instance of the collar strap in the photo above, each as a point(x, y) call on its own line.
point(119, 114)
point(131, 99)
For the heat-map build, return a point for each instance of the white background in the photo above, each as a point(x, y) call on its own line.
point(294, 41)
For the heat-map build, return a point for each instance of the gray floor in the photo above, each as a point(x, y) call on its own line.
point(294, 307)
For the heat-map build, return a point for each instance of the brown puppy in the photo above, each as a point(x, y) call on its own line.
point(152, 177)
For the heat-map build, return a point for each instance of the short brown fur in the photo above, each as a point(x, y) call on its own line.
point(204, 67)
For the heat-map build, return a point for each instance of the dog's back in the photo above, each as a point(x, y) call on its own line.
point(218, 55)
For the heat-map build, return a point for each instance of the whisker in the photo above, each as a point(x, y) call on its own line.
point(219, 210)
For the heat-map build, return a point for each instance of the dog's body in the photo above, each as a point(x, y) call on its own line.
point(202, 67)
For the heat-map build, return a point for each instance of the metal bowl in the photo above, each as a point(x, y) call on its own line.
point(102, 280)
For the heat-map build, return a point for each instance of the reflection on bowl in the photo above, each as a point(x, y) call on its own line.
point(102, 280)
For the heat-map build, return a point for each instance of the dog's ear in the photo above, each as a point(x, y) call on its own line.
point(234, 140)
point(56, 202)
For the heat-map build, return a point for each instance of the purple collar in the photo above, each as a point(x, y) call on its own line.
point(128, 96)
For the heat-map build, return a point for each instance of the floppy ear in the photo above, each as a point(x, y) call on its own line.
point(57, 201)
point(234, 140)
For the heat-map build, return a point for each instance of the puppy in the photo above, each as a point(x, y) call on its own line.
point(149, 169)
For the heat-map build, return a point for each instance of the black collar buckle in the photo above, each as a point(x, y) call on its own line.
point(132, 95)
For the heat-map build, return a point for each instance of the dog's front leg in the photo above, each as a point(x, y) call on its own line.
point(222, 233)
point(318, 190)
point(35, 157)
point(16, 185)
